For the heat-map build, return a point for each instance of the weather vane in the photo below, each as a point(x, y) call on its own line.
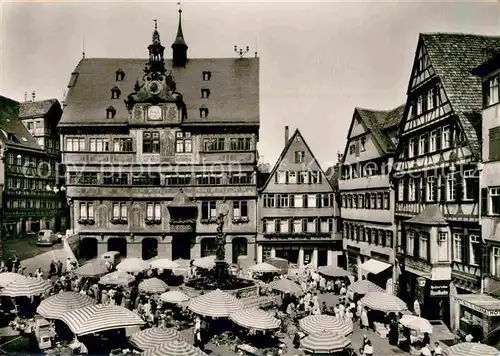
point(180, 5)
point(240, 51)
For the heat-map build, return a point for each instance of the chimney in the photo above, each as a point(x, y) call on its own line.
point(287, 134)
point(33, 95)
point(25, 96)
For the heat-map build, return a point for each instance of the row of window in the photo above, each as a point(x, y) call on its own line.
point(298, 177)
point(436, 140)
point(26, 184)
point(222, 144)
point(153, 179)
point(319, 200)
point(378, 200)
point(426, 101)
point(52, 145)
point(291, 225)
point(33, 204)
point(453, 187)
point(151, 143)
point(364, 169)
point(153, 210)
point(373, 236)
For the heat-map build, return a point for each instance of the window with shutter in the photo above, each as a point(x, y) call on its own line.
point(484, 201)
point(494, 144)
point(458, 186)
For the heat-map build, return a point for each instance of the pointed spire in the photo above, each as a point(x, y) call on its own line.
point(156, 34)
point(179, 47)
point(156, 62)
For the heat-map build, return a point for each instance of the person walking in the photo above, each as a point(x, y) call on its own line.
point(363, 319)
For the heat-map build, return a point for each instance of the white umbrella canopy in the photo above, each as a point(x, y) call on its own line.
point(416, 323)
point(286, 286)
point(383, 302)
point(56, 305)
point(117, 278)
point(174, 297)
point(94, 268)
point(174, 348)
point(216, 304)
point(96, 318)
point(333, 271)
point(207, 262)
point(314, 323)
point(364, 286)
point(133, 265)
point(26, 287)
point(153, 285)
point(164, 263)
point(324, 342)
point(264, 268)
point(7, 278)
point(471, 349)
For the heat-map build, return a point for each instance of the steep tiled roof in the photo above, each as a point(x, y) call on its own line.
point(453, 57)
point(12, 130)
point(377, 121)
point(233, 84)
point(431, 215)
point(35, 108)
point(332, 173)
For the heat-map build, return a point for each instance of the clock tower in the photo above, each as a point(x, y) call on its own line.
point(156, 100)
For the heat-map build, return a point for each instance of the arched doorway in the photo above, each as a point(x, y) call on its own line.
point(118, 244)
point(240, 245)
point(208, 246)
point(181, 246)
point(88, 248)
point(149, 248)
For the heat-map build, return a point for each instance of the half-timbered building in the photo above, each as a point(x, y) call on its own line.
point(153, 147)
point(436, 176)
point(297, 210)
point(367, 200)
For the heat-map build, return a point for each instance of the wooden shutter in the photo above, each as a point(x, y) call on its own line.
point(423, 183)
point(484, 201)
point(494, 144)
point(438, 139)
point(436, 188)
point(458, 184)
point(442, 188)
point(465, 248)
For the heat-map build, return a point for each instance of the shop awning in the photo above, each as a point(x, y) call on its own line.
point(483, 303)
point(374, 266)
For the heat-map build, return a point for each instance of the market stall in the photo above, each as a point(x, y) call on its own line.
point(153, 337)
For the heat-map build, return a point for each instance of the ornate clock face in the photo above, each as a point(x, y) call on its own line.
point(154, 113)
point(154, 87)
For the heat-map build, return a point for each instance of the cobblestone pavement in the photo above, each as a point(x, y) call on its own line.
point(25, 248)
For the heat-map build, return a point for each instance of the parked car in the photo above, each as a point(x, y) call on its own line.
point(46, 238)
point(112, 257)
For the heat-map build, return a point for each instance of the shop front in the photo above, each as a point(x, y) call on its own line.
point(354, 259)
point(479, 314)
point(376, 271)
point(436, 303)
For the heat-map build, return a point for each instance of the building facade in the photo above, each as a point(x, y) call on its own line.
point(33, 195)
point(367, 199)
point(436, 176)
point(297, 210)
point(148, 177)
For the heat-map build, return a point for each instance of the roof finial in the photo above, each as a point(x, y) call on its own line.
point(83, 48)
point(179, 38)
point(156, 24)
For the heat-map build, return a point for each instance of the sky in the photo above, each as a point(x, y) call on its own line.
point(318, 60)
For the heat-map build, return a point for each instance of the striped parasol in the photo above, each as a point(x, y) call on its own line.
point(470, 348)
point(255, 319)
point(153, 285)
point(164, 263)
point(174, 348)
point(26, 287)
point(55, 306)
point(92, 269)
point(216, 304)
point(324, 342)
point(117, 278)
point(7, 278)
point(133, 265)
point(333, 271)
point(264, 268)
point(175, 297)
point(313, 323)
point(96, 318)
point(364, 286)
point(153, 337)
point(383, 302)
point(286, 286)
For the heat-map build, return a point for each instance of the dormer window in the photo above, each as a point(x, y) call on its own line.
point(115, 92)
point(207, 75)
point(120, 74)
point(110, 112)
point(205, 93)
point(203, 113)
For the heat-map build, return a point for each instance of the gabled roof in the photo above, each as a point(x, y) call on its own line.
point(332, 174)
point(453, 57)
point(12, 130)
point(283, 154)
point(431, 215)
point(38, 108)
point(233, 84)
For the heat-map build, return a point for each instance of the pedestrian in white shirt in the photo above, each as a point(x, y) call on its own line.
point(368, 349)
point(425, 351)
point(438, 350)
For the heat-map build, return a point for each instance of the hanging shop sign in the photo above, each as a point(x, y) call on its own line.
point(439, 289)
